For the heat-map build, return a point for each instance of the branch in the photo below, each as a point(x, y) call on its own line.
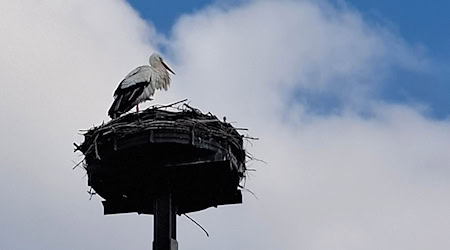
point(196, 223)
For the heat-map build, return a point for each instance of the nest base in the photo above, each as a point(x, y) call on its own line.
point(194, 157)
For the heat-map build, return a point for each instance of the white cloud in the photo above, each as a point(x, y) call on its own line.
point(59, 66)
point(277, 48)
point(332, 182)
point(360, 184)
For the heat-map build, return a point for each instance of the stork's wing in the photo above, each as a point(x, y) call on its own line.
point(130, 89)
point(139, 76)
point(126, 100)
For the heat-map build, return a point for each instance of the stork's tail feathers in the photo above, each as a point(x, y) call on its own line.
point(119, 107)
point(114, 111)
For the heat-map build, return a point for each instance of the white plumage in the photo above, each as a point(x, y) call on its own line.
point(140, 85)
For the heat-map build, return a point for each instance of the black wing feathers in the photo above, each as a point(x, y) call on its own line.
point(125, 99)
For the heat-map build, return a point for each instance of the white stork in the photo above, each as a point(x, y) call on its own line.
point(140, 85)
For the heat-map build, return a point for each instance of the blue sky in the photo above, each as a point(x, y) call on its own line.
point(420, 23)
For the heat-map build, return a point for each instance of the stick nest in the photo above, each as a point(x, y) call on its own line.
point(179, 115)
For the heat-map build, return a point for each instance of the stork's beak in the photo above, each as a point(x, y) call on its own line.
point(167, 67)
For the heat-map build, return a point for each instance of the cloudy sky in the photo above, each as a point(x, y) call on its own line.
point(350, 100)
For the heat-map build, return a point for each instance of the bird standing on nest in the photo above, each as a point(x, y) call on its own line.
point(140, 85)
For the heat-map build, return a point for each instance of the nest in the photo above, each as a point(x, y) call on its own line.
point(196, 156)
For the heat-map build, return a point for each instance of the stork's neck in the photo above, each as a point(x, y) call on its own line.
point(160, 78)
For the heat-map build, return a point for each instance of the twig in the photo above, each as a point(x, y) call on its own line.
point(252, 158)
point(78, 164)
point(248, 190)
point(251, 138)
point(77, 147)
point(92, 193)
point(171, 105)
point(194, 109)
point(96, 149)
point(196, 223)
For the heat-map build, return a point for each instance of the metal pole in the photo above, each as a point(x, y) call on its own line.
point(165, 221)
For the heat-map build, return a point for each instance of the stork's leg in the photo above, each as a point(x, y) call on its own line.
point(137, 113)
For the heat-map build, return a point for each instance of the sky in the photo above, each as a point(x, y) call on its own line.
point(417, 21)
point(349, 99)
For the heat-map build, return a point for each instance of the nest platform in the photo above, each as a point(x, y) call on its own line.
point(134, 159)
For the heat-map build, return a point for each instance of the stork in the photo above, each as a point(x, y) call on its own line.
point(140, 85)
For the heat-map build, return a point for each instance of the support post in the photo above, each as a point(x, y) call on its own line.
point(165, 223)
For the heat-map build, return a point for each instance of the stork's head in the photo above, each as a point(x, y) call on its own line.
point(156, 61)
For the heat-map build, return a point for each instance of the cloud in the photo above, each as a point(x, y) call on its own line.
point(59, 66)
point(342, 181)
point(334, 181)
point(288, 49)
point(359, 184)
